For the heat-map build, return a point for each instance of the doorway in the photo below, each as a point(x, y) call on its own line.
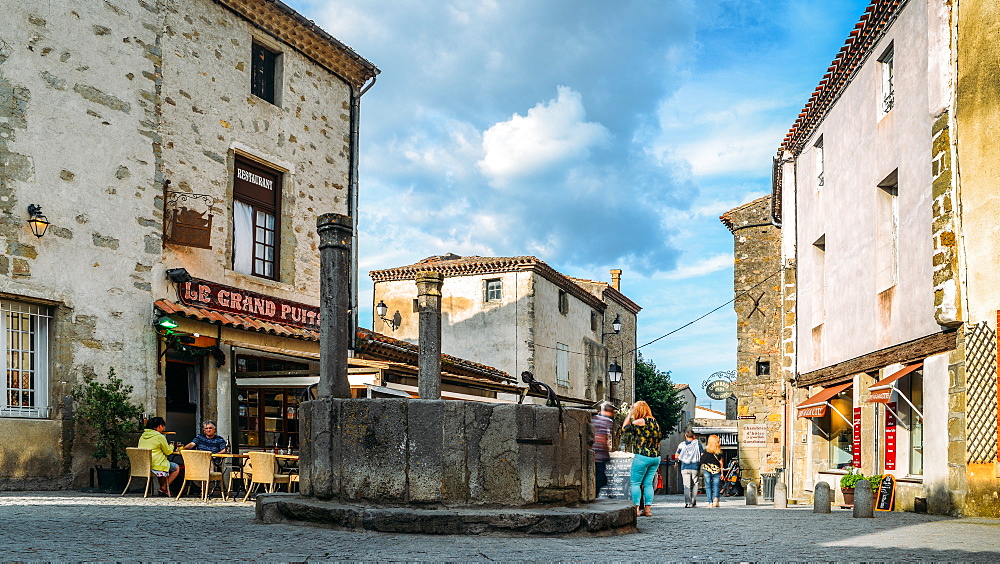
point(183, 381)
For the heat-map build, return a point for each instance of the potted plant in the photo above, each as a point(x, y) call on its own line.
point(105, 411)
point(847, 483)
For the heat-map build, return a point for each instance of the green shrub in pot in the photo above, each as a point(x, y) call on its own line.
point(105, 411)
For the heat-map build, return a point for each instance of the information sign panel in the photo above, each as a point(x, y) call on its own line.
point(618, 471)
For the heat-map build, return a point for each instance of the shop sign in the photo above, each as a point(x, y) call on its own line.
point(813, 411)
point(890, 436)
point(719, 389)
point(218, 297)
point(754, 435)
point(856, 444)
point(880, 396)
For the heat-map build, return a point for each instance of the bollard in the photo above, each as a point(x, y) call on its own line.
point(821, 498)
point(863, 500)
point(780, 496)
point(751, 494)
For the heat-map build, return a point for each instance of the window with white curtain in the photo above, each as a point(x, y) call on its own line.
point(25, 332)
point(256, 208)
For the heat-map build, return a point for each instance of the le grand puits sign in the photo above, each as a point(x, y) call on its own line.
point(218, 297)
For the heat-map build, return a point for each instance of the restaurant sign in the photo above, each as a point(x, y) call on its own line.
point(218, 297)
point(719, 389)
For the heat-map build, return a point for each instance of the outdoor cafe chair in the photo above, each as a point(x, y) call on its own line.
point(140, 461)
point(198, 468)
point(265, 471)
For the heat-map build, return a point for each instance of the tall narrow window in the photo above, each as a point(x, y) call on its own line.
point(818, 277)
point(494, 290)
point(24, 330)
point(264, 65)
point(818, 147)
point(563, 302)
point(562, 364)
point(256, 206)
point(887, 233)
point(888, 89)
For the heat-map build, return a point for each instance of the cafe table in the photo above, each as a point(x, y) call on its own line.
point(237, 464)
point(289, 464)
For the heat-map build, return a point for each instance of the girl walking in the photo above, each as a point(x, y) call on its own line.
point(646, 436)
point(711, 468)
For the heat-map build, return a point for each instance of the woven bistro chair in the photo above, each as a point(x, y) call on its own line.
point(265, 471)
point(198, 468)
point(140, 461)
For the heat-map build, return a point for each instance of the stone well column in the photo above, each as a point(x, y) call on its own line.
point(334, 298)
point(429, 359)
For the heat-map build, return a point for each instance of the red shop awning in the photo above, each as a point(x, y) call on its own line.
point(816, 405)
point(881, 392)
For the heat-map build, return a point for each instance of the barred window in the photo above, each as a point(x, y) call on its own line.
point(25, 331)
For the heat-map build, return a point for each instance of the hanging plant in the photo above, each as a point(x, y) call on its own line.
point(200, 352)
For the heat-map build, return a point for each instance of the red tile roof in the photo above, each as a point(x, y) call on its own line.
point(873, 24)
point(454, 265)
point(368, 342)
point(238, 321)
point(875, 21)
point(383, 347)
point(607, 290)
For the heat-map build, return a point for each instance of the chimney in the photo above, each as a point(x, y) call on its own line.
point(616, 279)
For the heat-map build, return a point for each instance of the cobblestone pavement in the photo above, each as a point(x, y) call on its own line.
point(74, 526)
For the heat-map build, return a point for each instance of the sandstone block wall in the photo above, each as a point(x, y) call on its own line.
point(449, 453)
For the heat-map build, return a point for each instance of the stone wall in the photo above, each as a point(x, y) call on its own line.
point(757, 273)
point(445, 453)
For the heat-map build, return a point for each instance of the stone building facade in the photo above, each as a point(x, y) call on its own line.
point(519, 314)
point(893, 311)
point(760, 386)
point(199, 135)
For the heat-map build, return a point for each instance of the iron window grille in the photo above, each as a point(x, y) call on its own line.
point(25, 330)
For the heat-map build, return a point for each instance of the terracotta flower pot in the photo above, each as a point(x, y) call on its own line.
point(848, 495)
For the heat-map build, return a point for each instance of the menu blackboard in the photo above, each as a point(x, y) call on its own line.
point(619, 469)
point(886, 493)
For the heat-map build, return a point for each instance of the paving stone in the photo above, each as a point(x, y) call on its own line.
point(74, 526)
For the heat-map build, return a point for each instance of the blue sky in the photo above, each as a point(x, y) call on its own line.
point(593, 135)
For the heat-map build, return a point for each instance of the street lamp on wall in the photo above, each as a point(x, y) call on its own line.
point(36, 221)
point(381, 309)
point(616, 326)
point(615, 373)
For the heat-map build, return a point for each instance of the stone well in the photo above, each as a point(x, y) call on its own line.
point(437, 466)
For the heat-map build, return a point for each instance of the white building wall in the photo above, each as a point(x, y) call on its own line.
point(840, 311)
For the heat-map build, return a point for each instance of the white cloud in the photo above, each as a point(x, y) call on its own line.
point(700, 268)
point(553, 133)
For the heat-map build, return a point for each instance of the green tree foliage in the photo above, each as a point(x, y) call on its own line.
point(655, 388)
point(105, 411)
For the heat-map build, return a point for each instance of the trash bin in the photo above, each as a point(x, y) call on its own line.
point(770, 479)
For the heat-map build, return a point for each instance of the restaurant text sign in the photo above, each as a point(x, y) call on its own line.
point(890, 436)
point(755, 435)
point(209, 295)
point(856, 442)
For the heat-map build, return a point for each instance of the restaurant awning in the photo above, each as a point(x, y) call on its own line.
point(882, 391)
point(816, 405)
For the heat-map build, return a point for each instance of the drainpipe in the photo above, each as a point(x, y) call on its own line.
point(352, 201)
